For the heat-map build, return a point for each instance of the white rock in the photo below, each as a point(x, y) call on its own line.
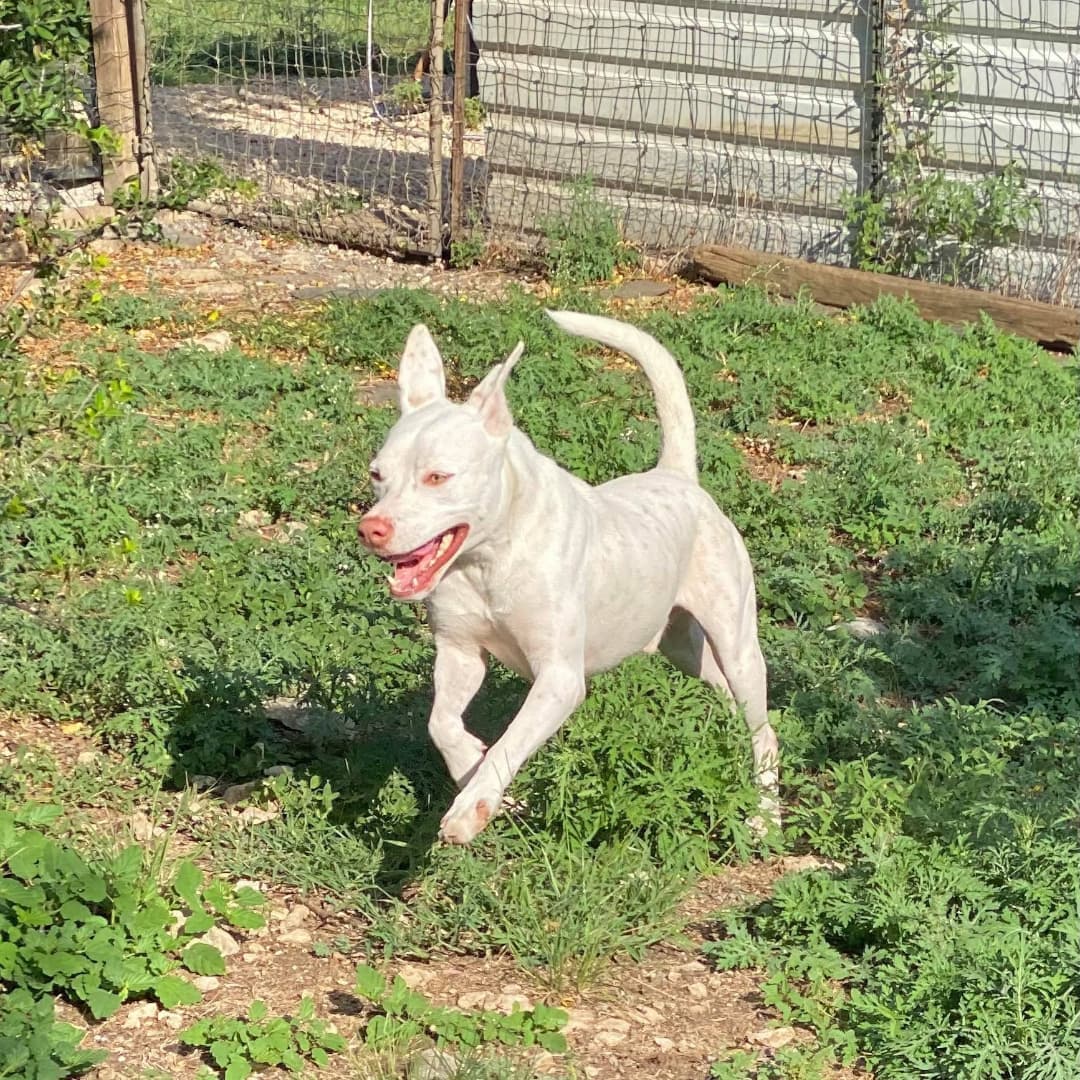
point(206, 983)
point(666, 1045)
point(296, 936)
point(776, 1037)
point(433, 1064)
point(139, 1014)
point(698, 991)
point(609, 1038)
point(297, 916)
point(217, 341)
point(221, 940)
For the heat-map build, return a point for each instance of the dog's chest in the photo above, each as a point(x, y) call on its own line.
point(464, 612)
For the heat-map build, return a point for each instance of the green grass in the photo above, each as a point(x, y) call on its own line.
point(938, 484)
point(203, 40)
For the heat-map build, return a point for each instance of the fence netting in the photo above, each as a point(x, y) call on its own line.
point(316, 112)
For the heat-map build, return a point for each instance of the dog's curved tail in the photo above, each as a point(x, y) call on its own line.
point(678, 449)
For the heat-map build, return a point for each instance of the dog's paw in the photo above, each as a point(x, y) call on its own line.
point(463, 823)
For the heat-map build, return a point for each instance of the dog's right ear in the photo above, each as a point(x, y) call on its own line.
point(421, 379)
point(489, 397)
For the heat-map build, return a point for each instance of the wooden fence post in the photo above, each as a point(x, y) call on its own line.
point(121, 82)
point(457, 144)
point(435, 130)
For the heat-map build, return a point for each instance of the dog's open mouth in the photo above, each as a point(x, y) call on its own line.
point(416, 571)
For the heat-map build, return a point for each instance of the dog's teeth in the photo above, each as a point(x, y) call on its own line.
point(445, 542)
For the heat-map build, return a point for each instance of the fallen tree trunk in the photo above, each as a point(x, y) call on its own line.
point(1051, 326)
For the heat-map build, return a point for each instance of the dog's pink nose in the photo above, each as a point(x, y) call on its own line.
point(376, 531)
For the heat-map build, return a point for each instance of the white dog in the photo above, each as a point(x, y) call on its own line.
point(519, 559)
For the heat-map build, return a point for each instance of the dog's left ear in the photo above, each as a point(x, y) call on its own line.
point(420, 374)
point(489, 397)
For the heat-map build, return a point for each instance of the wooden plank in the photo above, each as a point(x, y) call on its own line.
point(113, 76)
point(1053, 327)
point(140, 70)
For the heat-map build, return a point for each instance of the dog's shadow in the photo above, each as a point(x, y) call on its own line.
point(365, 769)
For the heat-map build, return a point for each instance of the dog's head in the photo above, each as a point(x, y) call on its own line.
point(438, 476)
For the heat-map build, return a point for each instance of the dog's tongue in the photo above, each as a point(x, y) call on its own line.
point(409, 567)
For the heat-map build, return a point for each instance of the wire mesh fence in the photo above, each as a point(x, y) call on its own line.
point(46, 106)
point(317, 110)
point(932, 139)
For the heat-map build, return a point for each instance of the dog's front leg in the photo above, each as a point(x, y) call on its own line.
point(459, 672)
point(556, 692)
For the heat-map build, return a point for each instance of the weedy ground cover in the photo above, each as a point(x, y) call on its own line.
point(177, 547)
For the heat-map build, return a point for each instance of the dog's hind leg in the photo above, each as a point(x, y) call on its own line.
point(728, 658)
point(459, 673)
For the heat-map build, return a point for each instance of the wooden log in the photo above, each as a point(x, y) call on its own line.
point(114, 80)
point(1052, 326)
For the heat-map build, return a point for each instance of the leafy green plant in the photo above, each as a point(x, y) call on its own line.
point(917, 220)
point(34, 1045)
point(98, 931)
point(405, 1014)
point(583, 243)
point(475, 113)
point(44, 50)
point(407, 95)
point(240, 1047)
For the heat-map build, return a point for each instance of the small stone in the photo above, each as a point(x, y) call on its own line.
point(546, 1062)
point(614, 1023)
point(414, 976)
point(237, 793)
point(649, 1015)
point(477, 999)
point(180, 238)
point(142, 828)
point(512, 988)
point(507, 1002)
point(693, 967)
point(639, 288)
point(88, 757)
point(106, 245)
point(220, 290)
point(775, 1038)
point(138, 1015)
point(249, 883)
point(297, 915)
point(173, 1020)
point(206, 983)
point(579, 1020)
point(297, 936)
point(666, 1045)
point(221, 940)
point(254, 519)
point(609, 1038)
point(698, 991)
point(697, 1010)
point(433, 1064)
point(250, 957)
point(217, 341)
point(196, 275)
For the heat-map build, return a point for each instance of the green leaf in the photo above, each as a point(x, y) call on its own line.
point(239, 1069)
point(257, 1010)
point(198, 922)
point(187, 882)
point(102, 1003)
point(173, 991)
point(554, 1042)
point(245, 918)
point(292, 1061)
point(203, 959)
point(370, 983)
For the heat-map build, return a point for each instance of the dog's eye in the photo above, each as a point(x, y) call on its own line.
point(434, 479)
point(375, 474)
